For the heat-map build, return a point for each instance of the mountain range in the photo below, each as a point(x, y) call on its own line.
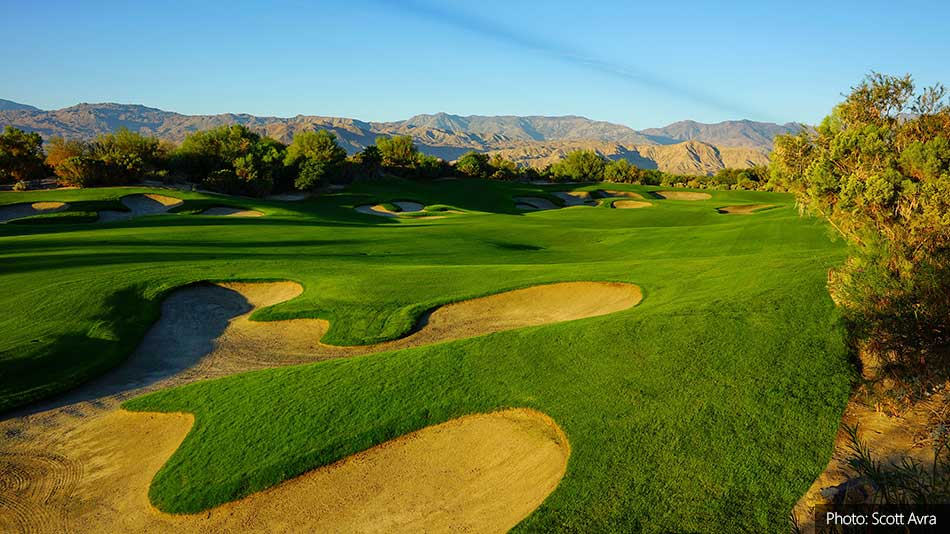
point(685, 147)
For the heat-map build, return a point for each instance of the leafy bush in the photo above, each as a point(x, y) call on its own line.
point(21, 156)
point(878, 169)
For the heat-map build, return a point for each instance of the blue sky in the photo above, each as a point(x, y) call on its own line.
point(641, 64)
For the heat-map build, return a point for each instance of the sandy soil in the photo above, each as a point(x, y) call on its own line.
point(575, 198)
point(630, 204)
point(889, 439)
point(139, 205)
point(231, 212)
point(624, 194)
point(744, 209)
point(535, 203)
point(682, 195)
point(79, 463)
point(379, 209)
point(18, 211)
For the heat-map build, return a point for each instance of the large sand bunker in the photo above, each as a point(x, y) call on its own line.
point(223, 211)
point(139, 205)
point(18, 211)
point(630, 204)
point(80, 463)
point(483, 473)
point(682, 195)
point(379, 209)
point(575, 198)
point(744, 209)
point(534, 204)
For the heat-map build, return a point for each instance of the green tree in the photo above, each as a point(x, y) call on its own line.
point(473, 164)
point(80, 171)
point(878, 169)
point(232, 159)
point(21, 155)
point(621, 171)
point(580, 165)
point(127, 156)
point(502, 168)
point(397, 151)
point(320, 146)
point(59, 149)
point(311, 175)
point(315, 157)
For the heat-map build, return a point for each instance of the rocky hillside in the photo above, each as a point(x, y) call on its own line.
point(724, 134)
point(685, 147)
point(691, 157)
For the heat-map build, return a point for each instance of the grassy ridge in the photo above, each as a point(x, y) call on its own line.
point(712, 404)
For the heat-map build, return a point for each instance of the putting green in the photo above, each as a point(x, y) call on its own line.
point(711, 405)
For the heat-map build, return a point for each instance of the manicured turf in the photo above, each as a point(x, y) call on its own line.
point(709, 407)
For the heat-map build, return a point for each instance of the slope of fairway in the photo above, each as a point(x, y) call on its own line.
point(711, 405)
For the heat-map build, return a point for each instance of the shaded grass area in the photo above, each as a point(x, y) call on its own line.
point(713, 404)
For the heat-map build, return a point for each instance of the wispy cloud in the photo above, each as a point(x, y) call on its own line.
point(484, 27)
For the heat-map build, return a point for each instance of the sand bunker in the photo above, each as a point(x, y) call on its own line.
point(745, 209)
point(481, 473)
point(18, 211)
point(139, 205)
point(80, 463)
point(231, 212)
point(379, 209)
point(630, 204)
point(534, 204)
point(576, 198)
point(682, 195)
point(616, 193)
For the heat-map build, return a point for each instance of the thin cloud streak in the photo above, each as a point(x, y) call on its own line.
point(629, 73)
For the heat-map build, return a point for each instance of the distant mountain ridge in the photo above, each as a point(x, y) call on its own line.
point(685, 147)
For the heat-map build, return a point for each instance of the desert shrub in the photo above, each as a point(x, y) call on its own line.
point(21, 186)
point(878, 169)
point(82, 171)
point(127, 156)
point(502, 169)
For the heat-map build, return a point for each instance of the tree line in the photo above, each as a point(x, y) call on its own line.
point(235, 160)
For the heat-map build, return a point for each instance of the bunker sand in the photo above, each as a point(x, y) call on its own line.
point(223, 211)
point(18, 211)
point(744, 209)
point(682, 195)
point(139, 205)
point(482, 472)
point(86, 465)
point(381, 210)
point(630, 204)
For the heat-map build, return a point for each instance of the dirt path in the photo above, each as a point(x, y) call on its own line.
point(889, 438)
point(79, 463)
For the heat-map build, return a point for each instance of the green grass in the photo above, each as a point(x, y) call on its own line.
point(709, 407)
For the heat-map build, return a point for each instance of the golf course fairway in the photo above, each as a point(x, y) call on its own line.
point(634, 370)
